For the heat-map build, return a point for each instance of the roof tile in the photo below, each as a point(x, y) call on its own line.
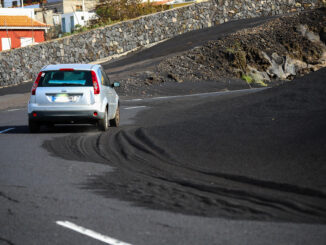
point(19, 21)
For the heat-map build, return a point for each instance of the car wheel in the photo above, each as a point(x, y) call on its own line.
point(103, 124)
point(34, 127)
point(116, 120)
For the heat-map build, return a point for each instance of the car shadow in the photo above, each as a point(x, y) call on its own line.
point(23, 129)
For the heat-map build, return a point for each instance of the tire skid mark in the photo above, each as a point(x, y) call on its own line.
point(256, 157)
point(8, 197)
point(271, 185)
point(6, 241)
point(239, 195)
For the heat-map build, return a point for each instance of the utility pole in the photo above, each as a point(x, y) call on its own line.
point(73, 10)
point(9, 40)
point(22, 2)
point(32, 28)
point(83, 6)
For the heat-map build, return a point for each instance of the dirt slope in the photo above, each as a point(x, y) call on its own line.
point(276, 51)
point(281, 49)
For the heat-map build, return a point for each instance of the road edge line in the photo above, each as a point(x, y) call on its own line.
point(90, 233)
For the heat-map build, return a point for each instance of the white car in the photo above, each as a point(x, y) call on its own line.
point(73, 93)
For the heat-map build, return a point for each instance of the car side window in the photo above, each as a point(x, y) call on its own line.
point(105, 79)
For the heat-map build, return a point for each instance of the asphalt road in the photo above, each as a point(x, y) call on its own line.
point(37, 189)
point(41, 190)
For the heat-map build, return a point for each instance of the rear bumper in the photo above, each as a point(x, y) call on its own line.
point(65, 116)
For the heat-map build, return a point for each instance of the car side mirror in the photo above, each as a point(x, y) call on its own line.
point(116, 84)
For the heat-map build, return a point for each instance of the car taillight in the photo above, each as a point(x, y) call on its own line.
point(36, 83)
point(67, 69)
point(95, 83)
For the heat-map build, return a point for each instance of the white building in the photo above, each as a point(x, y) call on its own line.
point(10, 3)
point(70, 20)
point(18, 12)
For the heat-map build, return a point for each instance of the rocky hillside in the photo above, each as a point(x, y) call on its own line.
point(279, 50)
point(282, 49)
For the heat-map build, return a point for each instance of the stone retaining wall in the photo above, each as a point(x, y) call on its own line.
point(23, 64)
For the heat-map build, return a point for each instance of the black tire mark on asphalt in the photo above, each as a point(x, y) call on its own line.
point(8, 198)
point(6, 241)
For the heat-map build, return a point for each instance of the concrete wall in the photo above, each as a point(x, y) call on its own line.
point(68, 6)
point(48, 16)
point(23, 64)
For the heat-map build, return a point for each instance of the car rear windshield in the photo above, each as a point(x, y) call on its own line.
point(65, 78)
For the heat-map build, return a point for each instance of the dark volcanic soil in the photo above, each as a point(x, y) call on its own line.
point(234, 55)
point(281, 49)
point(256, 156)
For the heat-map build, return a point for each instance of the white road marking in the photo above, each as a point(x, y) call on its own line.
point(91, 233)
point(135, 100)
point(199, 94)
point(6, 130)
point(134, 107)
point(14, 110)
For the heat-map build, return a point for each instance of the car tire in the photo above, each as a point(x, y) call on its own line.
point(103, 124)
point(34, 127)
point(116, 120)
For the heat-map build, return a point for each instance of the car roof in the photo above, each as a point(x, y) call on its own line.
point(85, 67)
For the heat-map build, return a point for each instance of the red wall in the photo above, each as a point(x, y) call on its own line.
point(15, 36)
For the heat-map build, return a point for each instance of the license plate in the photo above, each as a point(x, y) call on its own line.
point(60, 98)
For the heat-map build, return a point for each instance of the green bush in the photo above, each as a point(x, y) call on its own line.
point(118, 10)
point(247, 78)
point(66, 34)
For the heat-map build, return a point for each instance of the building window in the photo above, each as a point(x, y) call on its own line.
point(79, 8)
point(25, 41)
point(14, 3)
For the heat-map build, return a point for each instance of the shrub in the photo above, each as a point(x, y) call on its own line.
point(247, 78)
point(66, 34)
point(118, 10)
